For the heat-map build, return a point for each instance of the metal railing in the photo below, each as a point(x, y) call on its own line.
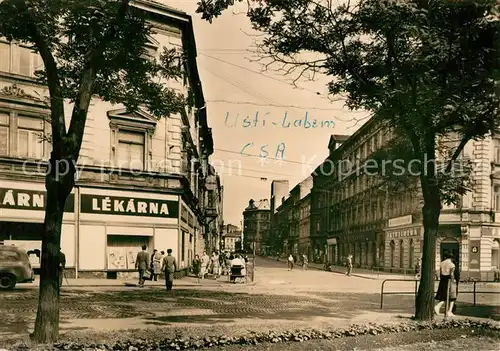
point(462, 283)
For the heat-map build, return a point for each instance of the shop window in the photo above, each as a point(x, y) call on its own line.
point(4, 133)
point(18, 59)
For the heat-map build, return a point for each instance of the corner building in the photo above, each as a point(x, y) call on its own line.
point(141, 180)
point(381, 228)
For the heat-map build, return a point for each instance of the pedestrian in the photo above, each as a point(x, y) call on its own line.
point(205, 262)
point(456, 275)
point(418, 269)
point(196, 265)
point(169, 266)
point(290, 262)
point(304, 262)
point(348, 263)
point(222, 264)
point(215, 264)
point(444, 291)
point(141, 264)
point(157, 260)
point(62, 265)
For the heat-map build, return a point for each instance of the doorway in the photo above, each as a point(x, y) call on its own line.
point(452, 246)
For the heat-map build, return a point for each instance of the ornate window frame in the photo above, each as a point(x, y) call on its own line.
point(139, 121)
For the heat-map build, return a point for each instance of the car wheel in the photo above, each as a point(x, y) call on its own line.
point(7, 281)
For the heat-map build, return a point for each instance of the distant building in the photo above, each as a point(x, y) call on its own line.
point(256, 225)
point(279, 190)
point(231, 236)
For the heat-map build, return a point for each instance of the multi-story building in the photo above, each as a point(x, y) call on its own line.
point(360, 214)
point(140, 179)
point(298, 235)
point(320, 219)
point(279, 190)
point(232, 238)
point(213, 211)
point(283, 219)
point(256, 224)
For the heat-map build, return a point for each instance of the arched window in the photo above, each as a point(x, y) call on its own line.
point(393, 252)
point(401, 254)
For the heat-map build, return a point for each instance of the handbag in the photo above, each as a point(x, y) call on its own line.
point(147, 275)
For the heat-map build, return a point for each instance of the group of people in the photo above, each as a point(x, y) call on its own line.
point(303, 261)
point(155, 264)
point(217, 264)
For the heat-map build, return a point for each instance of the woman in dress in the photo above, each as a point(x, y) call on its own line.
point(197, 265)
point(446, 279)
point(157, 258)
point(215, 264)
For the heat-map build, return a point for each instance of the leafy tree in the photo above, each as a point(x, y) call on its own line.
point(426, 67)
point(89, 48)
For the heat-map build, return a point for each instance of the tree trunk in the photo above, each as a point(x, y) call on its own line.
point(58, 188)
point(424, 309)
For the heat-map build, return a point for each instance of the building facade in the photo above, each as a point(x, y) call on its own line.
point(359, 214)
point(279, 190)
point(256, 225)
point(141, 180)
point(232, 238)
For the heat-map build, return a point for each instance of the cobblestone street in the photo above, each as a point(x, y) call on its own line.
point(276, 299)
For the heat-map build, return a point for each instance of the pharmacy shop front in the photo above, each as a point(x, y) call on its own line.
point(113, 225)
point(22, 212)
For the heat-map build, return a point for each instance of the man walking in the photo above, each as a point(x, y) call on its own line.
point(349, 265)
point(62, 265)
point(141, 264)
point(169, 266)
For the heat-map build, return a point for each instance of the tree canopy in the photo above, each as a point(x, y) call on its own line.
point(95, 47)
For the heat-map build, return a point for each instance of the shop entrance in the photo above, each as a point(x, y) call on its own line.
point(26, 236)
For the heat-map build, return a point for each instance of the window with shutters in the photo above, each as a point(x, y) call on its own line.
point(131, 149)
point(19, 59)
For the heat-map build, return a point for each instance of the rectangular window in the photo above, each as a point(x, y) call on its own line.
point(30, 143)
point(496, 156)
point(19, 59)
point(4, 133)
point(131, 150)
point(496, 198)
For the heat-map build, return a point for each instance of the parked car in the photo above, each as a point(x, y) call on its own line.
point(15, 267)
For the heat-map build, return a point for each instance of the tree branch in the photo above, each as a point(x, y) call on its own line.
point(80, 109)
point(465, 139)
point(57, 121)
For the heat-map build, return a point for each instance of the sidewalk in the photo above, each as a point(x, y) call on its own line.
point(356, 272)
point(101, 282)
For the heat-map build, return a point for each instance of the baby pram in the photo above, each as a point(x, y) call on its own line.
point(237, 275)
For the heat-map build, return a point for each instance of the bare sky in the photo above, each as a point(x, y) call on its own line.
point(232, 91)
